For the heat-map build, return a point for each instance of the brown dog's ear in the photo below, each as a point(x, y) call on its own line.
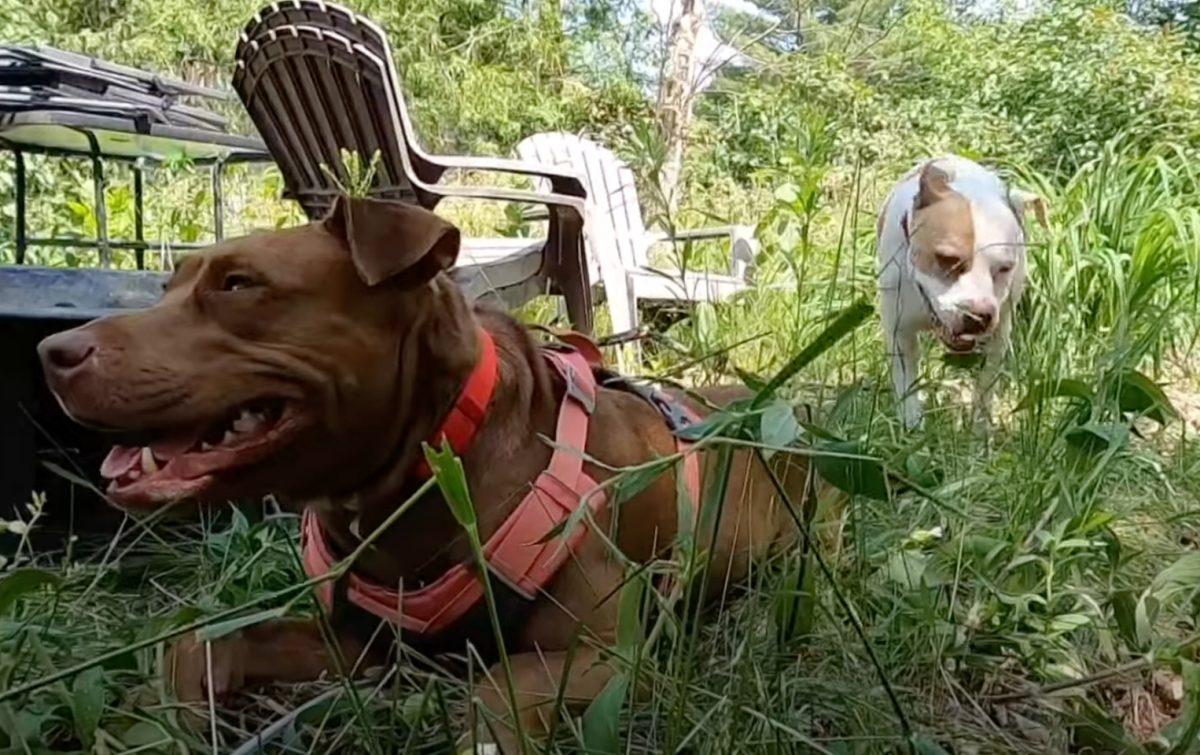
point(935, 185)
point(393, 240)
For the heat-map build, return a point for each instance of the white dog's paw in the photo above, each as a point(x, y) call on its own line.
point(911, 413)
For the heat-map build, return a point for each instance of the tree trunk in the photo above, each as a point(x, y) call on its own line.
point(550, 21)
point(677, 94)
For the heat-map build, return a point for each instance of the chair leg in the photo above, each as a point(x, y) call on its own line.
point(624, 314)
point(566, 236)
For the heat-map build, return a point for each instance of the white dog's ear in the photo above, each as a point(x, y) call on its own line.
point(1021, 201)
point(933, 186)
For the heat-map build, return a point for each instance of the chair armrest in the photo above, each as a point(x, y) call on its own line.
point(498, 194)
point(743, 246)
point(561, 182)
point(568, 267)
point(693, 234)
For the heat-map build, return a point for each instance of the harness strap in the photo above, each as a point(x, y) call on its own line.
point(514, 552)
point(930, 310)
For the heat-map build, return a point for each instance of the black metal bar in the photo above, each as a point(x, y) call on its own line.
point(21, 240)
point(101, 212)
point(94, 244)
point(231, 158)
point(139, 230)
point(218, 202)
point(98, 199)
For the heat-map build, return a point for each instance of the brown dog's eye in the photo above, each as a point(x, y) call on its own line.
point(237, 282)
point(1004, 270)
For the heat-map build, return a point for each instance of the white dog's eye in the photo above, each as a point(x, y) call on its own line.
point(1004, 270)
point(948, 263)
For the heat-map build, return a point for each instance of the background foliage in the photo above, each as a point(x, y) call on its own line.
point(1059, 547)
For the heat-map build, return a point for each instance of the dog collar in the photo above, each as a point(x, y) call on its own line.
point(467, 414)
point(929, 308)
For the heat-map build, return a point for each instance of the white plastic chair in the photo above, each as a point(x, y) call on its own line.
point(618, 243)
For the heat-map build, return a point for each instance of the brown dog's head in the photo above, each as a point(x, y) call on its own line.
point(271, 362)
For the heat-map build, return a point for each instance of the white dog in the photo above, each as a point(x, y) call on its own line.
point(951, 242)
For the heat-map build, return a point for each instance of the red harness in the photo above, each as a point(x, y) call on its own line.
point(515, 552)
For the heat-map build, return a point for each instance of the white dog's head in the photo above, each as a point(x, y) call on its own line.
point(967, 248)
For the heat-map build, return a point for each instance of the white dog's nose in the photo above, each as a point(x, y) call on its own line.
point(979, 315)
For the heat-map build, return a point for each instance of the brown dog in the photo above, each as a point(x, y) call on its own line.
point(312, 363)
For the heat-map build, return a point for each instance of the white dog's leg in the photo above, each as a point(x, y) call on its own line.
point(905, 352)
point(989, 374)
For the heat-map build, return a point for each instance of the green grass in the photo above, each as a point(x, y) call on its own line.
point(1057, 548)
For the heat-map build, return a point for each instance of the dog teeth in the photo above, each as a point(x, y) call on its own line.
point(149, 463)
point(229, 437)
point(248, 421)
point(205, 446)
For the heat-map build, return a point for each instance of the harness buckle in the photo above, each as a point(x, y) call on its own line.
point(586, 400)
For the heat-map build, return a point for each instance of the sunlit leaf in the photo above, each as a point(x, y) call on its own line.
point(22, 582)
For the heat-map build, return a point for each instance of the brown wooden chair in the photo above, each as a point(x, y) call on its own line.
point(318, 79)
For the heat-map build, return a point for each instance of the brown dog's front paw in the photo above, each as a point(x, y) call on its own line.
point(187, 668)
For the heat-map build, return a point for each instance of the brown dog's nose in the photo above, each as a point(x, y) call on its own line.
point(979, 315)
point(63, 352)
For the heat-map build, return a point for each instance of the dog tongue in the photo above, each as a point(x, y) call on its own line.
point(120, 460)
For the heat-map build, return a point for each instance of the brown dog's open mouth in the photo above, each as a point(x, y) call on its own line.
point(185, 462)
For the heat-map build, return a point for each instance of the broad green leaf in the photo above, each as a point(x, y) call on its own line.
point(983, 547)
point(629, 613)
point(907, 568)
point(1097, 437)
point(845, 466)
point(1141, 395)
point(412, 708)
point(87, 704)
point(221, 628)
point(713, 424)
point(1124, 607)
point(1067, 622)
point(1066, 388)
point(921, 470)
point(1185, 573)
point(144, 734)
point(22, 582)
point(1094, 728)
point(786, 193)
point(1144, 616)
point(778, 426)
point(602, 719)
